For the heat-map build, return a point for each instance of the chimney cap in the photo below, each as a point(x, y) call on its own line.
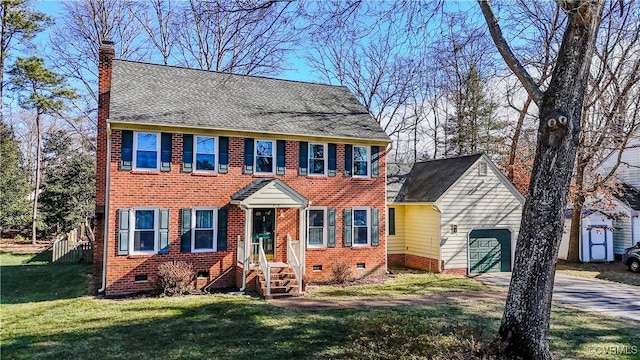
point(107, 43)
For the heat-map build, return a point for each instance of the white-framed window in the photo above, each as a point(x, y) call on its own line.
point(360, 224)
point(144, 232)
point(361, 161)
point(265, 154)
point(204, 224)
point(318, 159)
point(204, 153)
point(317, 227)
point(482, 168)
point(146, 151)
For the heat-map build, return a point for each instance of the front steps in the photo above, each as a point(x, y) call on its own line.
point(283, 282)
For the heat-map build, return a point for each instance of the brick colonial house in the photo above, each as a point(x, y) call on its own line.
point(246, 178)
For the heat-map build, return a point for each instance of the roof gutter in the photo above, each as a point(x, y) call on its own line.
point(105, 235)
point(127, 125)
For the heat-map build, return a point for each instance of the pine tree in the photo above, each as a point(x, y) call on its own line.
point(68, 190)
point(474, 127)
point(14, 187)
point(45, 92)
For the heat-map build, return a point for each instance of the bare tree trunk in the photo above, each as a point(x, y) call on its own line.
point(573, 254)
point(516, 138)
point(525, 323)
point(34, 213)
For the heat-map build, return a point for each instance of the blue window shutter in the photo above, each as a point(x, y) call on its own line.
point(185, 230)
point(281, 149)
point(165, 152)
point(375, 230)
point(347, 233)
point(223, 162)
point(332, 159)
point(248, 156)
point(331, 239)
point(348, 158)
point(375, 166)
point(163, 231)
point(187, 153)
point(123, 231)
point(392, 221)
point(222, 229)
point(126, 150)
point(304, 158)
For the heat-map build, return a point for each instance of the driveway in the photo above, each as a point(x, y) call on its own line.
point(613, 299)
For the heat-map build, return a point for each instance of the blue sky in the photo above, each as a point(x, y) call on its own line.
point(299, 71)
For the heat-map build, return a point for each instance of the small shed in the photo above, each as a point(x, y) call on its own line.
point(596, 237)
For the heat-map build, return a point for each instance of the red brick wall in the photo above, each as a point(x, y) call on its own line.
point(415, 262)
point(176, 190)
point(458, 271)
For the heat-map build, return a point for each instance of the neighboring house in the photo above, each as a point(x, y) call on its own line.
point(243, 177)
point(626, 200)
point(458, 215)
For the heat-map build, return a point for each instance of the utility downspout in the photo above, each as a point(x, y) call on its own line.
point(386, 209)
point(105, 239)
point(247, 239)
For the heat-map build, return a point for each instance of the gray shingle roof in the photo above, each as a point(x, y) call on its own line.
point(428, 180)
point(397, 174)
point(165, 95)
point(630, 196)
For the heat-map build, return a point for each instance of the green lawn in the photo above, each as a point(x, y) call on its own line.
point(615, 271)
point(71, 326)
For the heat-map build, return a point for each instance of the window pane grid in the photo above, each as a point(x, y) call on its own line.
point(203, 232)
point(205, 153)
point(264, 156)
point(146, 150)
point(316, 224)
point(317, 159)
point(360, 161)
point(144, 230)
point(360, 227)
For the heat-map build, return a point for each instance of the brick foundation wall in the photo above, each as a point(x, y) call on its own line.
point(415, 262)
point(396, 260)
point(458, 271)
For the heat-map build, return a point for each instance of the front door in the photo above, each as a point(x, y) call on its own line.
point(264, 221)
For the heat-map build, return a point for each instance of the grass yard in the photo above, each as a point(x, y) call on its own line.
point(615, 271)
point(68, 325)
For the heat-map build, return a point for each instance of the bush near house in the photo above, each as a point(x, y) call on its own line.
point(175, 277)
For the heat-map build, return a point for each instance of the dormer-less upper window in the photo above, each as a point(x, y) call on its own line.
point(317, 159)
point(264, 156)
point(205, 153)
point(146, 148)
point(361, 161)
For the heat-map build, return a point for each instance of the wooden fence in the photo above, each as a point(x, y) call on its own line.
point(71, 249)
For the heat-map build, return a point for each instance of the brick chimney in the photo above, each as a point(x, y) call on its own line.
point(105, 60)
point(106, 55)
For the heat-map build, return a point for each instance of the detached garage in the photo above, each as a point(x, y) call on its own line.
point(458, 215)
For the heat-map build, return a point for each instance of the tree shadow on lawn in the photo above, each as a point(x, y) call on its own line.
point(228, 327)
point(222, 330)
point(38, 279)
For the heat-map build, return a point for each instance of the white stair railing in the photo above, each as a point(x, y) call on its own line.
point(293, 261)
point(264, 267)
